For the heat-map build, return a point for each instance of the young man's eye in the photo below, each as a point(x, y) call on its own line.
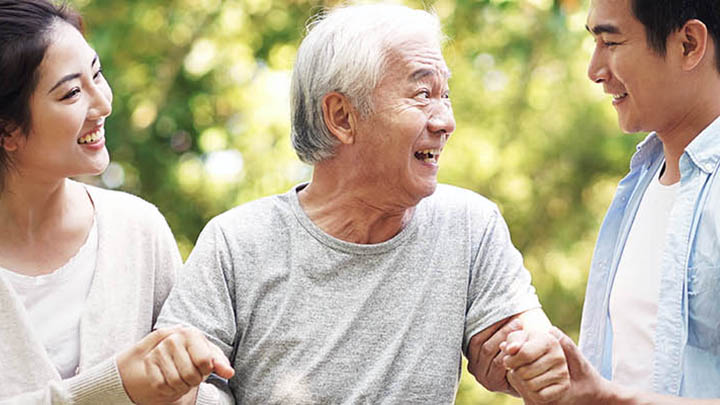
point(71, 93)
point(610, 43)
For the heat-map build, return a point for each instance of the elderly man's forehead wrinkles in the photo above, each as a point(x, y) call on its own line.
point(421, 74)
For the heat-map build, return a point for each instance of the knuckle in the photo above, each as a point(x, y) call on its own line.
point(193, 379)
point(487, 349)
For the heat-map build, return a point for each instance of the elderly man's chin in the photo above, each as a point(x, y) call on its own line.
point(424, 188)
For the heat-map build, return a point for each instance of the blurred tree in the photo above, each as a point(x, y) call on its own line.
point(201, 120)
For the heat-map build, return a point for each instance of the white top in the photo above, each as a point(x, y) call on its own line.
point(66, 288)
point(634, 295)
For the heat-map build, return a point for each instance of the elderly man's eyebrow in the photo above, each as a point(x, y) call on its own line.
point(603, 29)
point(420, 74)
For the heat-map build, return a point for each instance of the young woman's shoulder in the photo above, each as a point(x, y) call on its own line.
point(122, 206)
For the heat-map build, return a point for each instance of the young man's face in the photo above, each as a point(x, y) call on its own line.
point(644, 84)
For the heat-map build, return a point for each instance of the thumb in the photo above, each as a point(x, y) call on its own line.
point(575, 360)
point(514, 342)
point(221, 364)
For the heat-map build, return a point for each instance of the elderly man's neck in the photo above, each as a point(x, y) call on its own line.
point(353, 213)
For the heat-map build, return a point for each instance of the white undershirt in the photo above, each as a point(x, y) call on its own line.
point(634, 296)
point(55, 302)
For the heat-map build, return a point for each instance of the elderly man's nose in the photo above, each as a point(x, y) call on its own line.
point(442, 122)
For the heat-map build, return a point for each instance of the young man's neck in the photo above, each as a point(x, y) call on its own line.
point(676, 140)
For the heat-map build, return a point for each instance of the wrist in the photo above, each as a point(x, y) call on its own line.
point(616, 394)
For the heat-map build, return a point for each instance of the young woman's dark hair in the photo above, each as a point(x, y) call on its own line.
point(24, 28)
point(661, 18)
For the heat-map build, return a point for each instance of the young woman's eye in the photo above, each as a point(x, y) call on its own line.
point(97, 74)
point(72, 93)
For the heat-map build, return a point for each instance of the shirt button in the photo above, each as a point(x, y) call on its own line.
point(77, 370)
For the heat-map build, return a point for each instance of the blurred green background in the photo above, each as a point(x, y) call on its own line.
point(201, 120)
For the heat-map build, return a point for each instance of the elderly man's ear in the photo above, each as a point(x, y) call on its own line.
point(339, 117)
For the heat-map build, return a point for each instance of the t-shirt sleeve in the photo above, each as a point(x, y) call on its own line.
point(203, 296)
point(500, 286)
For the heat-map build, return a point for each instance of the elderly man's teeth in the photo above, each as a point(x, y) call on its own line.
point(90, 138)
point(428, 155)
point(619, 96)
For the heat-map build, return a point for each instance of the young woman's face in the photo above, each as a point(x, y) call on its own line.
point(68, 110)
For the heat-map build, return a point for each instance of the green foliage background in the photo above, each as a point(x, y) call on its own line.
point(201, 120)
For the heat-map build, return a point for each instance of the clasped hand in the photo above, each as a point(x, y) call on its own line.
point(169, 364)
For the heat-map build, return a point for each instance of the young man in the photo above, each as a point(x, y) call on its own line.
point(651, 321)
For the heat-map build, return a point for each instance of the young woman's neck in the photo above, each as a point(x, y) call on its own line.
point(29, 207)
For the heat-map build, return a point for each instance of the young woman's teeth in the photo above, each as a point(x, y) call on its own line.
point(91, 138)
point(428, 155)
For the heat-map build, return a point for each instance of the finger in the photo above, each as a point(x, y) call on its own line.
point(539, 391)
point(575, 360)
point(495, 376)
point(514, 342)
point(153, 339)
point(537, 345)
point(552, 393)
point(221, 363)
point(161, 391)
point(517, 384)
point(199, 351)
point(491, 347)
point(536, 383)
point(162, 358)
point(554, 359)
point(186, 368)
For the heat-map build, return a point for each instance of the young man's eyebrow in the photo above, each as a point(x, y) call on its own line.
point(603, 29)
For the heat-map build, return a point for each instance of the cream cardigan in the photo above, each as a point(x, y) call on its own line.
point(136, 264)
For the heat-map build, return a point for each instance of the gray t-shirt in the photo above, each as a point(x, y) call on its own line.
point(308, 318)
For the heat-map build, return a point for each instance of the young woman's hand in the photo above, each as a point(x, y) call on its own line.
point(168, 363)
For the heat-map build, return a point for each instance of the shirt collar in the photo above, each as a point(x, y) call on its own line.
point(704, 150)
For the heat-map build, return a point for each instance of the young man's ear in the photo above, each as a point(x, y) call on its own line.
point(339, 117)
point(692, 40)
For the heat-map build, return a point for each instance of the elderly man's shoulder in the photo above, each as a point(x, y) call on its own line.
point(257, 214)
point(453, 198)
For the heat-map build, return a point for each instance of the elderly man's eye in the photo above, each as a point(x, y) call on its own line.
point(424, 94)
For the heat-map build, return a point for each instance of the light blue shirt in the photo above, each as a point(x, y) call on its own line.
point(686, 360)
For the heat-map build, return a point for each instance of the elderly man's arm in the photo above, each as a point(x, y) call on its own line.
point(588, 387)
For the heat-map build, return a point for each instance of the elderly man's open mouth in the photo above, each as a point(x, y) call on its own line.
point(428, 155)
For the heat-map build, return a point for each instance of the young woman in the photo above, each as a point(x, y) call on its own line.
point(83, 271)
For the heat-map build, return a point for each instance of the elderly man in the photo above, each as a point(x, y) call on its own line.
point(365, 285)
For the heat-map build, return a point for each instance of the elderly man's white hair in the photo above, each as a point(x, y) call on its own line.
point(346, 51)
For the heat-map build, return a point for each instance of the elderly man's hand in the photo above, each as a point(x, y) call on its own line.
point(485, 357)
point(536, 366)
point(168, 364)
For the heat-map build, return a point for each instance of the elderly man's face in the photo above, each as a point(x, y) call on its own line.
point(412, 118)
